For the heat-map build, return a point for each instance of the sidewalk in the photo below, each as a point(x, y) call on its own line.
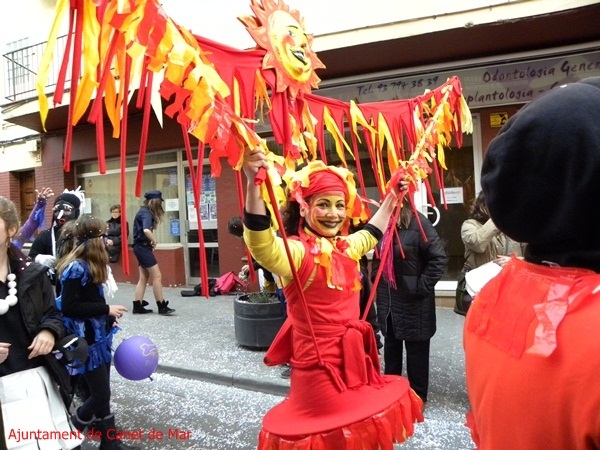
point(198, 342)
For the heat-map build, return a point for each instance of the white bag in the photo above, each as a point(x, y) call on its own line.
point(477, 278)
point(35, 416)
point(110, 286)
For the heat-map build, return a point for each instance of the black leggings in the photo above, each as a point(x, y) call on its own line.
point(98, 403)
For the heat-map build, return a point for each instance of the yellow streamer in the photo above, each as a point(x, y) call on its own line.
point(40, 85)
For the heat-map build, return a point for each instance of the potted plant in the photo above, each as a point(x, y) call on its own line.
point(257, 319)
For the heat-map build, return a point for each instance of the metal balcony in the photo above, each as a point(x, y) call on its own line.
point(22, 67)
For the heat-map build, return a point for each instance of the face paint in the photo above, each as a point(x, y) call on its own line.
point(280, 31)
point(326, 213)
point(63, 212)
point(290, 44)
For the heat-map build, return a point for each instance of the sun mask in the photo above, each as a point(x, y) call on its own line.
point(280, 31)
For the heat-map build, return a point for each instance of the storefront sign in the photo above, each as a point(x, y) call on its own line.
point(498, 119)
point(493, 85)
point(204, 212)
point(212, 211)
point(453, 195)
point(87, 206)
point(174, 227)
point(171, 204)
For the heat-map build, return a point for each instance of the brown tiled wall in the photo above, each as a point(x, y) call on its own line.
point(9, 187)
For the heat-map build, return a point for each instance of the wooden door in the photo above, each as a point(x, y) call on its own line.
point(27, 186)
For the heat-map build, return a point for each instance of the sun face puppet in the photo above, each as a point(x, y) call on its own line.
point(280, 31)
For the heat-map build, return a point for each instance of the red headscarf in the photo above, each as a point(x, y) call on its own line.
point(316, 178)
point(324, 181)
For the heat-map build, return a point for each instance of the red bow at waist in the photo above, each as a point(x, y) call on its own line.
point(349, 352)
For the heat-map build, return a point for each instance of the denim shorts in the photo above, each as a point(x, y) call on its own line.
point(145, 256)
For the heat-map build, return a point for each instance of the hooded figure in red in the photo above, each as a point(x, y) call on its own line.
point(531, 335)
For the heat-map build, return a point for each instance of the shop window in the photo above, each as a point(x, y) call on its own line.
point(131, 163)
point(102, 191)
point(210, 236)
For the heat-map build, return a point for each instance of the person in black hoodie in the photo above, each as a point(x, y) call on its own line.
point(406, 297)
point(30, 328)
point(365, 292)
point(44, 250)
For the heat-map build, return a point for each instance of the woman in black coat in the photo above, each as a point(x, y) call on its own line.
point(30, 328)
point(114, 234)
point(406, 301)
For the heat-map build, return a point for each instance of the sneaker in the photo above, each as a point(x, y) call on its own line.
point(163, 308)
point(138, 307)
point(285, 373)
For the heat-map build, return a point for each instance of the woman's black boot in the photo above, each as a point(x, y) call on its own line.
point(108, 435)
point(79, 424)
point(139, 307)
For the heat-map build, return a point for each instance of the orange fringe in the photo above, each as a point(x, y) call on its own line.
point(381, 431)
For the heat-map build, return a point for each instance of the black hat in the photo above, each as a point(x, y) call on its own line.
point(153, 194)
point(67, 197)
point(541, 176)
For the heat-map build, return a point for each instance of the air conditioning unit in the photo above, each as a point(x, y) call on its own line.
point(34, 145)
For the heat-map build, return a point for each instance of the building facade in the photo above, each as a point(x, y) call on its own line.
point(505, 55)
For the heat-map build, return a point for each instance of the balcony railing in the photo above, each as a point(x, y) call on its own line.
point(22, 67)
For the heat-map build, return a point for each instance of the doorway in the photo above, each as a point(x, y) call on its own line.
point(208, 217)
point(461, 184)
point(27, 195)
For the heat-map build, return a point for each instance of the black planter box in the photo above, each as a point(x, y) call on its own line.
point(256, 324)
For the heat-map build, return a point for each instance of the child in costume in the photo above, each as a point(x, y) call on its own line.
point(84, 277)
point(337, 394)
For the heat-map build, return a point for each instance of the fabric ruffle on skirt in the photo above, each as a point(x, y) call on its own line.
point(394, 424)
point(100, 352)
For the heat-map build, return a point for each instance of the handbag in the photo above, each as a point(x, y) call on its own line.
point(462, 299)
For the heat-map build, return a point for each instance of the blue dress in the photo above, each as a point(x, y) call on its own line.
point(100, 346)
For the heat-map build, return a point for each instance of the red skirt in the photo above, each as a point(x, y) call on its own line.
point(317, 415)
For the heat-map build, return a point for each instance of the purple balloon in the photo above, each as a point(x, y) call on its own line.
point(136, 358)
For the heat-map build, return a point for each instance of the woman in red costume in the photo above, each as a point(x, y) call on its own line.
point(338, 398)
